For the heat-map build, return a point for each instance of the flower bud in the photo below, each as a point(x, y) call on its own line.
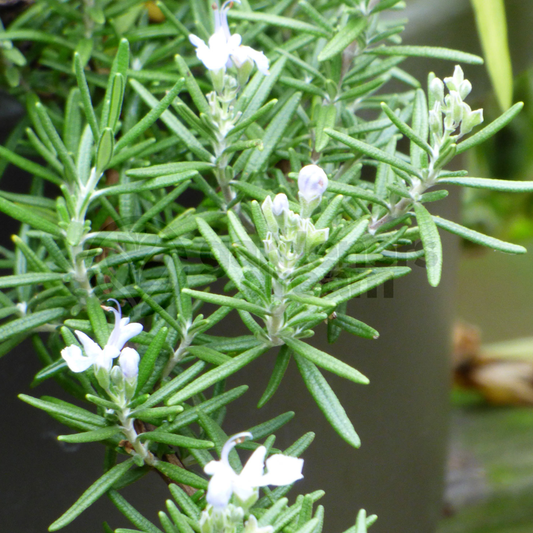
point(312, 182)
point(471, 120)
point(464, 89)
point(454, 83)
point(436, 88)
point(129, 363)
point(280, 205)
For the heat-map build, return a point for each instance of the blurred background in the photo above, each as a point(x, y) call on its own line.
point(489, 481)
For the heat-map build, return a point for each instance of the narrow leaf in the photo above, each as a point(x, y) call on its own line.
point(343, 38)
point(372, 151)
point(149, 358)
point(327, 401)
point(180, 475)
point(176, 440)
point(91, 436)
point(493, 128)
point(92, 494)
point(217, 374)
point(432, 244)
point(433, 52)
point(326, 361)
point(491, 184)
point(478, 238)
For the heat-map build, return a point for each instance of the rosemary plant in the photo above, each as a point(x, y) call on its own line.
point(178, 159)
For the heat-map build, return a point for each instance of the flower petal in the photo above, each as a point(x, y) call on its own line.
point(196, 41)
point(220, 486)
point(282, 470)
point(254, 467)
point(92, 349)
point(75, 360)
point(260, 59)
point(127, 332)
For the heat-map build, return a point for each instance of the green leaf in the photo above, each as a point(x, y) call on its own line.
point(65, 157)
point(192, 86)
point(176, 440)
point(155, 413)
point(229, 301)
point(29, 279)
point(280, 22)
point(491, 184)
point(357, 192)
point(406, 130)
point(273, 134)
point(172, 386)
point(363, 88)
point(185, 502)
point(173, 123)
point(271, 426)
point(91, 436)
point(327, 401)
point(372, 152)
point(136, 518)
point(97, 489)
point(104, 153)
point(478, 238)
point(326, 361)
point(223, 255)
point(258, 95)
point(493, 128)
point(120, 66)
point(492, 29)
point(29, 166)
point(180, 475)
point(355, 327)
point(343, 38)
point(64, 409)
point(28, 323)
point(149, 119)
point(86, 96)
point(360, 287)
point(117, 97)
point(209, 406)
point(146, 185)
point(432, 244)
point(336, 253)
point(209, 355)
point(433, 52)
point(217, 374)
point(244, 123)
point(146, 366)
point(282, 362)
point(98, 320)
point(327, 115)
point(72, 124)
point(311, 300)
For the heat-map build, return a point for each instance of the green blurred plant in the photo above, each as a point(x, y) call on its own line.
point(181, 180)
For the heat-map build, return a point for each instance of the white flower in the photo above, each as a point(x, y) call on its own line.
point(281, 470)
point(280, 204)
point(224, 49)
point(94, 354)
point(312, 182)
point(129, 363)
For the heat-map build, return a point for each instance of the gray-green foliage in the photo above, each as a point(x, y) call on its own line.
point(161, 197)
